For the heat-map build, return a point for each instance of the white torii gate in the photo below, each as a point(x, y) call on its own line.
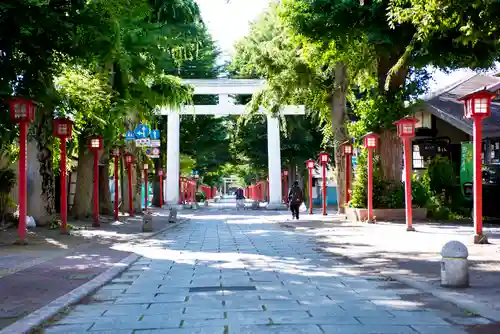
point(223, 88)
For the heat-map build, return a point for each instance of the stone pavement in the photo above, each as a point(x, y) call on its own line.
point(33, 276)
point(239, 272)
point(388, 247)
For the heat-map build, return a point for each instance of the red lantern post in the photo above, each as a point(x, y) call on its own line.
point(478, 107)
point(285, 185)
point(115, 153)
point(406, 131)
point(310, 166)
point(347, 150)
point(63, 129)
point(370, 142)
point(160, 175)
point(323, 158)
point(146, 192)
point(129, 160)
point(22, 111)
point(96, 144)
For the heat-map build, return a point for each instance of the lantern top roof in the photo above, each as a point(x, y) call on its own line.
point(407, 120)
point(371, 134)
point(347, 142)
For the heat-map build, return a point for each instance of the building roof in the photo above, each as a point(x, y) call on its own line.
point(444, 104)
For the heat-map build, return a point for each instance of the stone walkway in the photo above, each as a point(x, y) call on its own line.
point(33, 276)
point(239, 272)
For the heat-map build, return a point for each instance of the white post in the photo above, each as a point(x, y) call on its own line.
point(173, 158)
point(274, 161)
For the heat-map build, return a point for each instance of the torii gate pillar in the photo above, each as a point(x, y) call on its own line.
point(274, 163)
point(173, 158)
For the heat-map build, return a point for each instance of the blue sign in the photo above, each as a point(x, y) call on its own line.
point(194, 172)
point(129, 135)
point(148, 151)
point(155, 134)
point(141, 131)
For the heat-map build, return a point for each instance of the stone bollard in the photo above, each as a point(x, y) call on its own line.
point(147, 223)
point(454, 265)
point(205, 204)
point(255, 205)
point(172, 215)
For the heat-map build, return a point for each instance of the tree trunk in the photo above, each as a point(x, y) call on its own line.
point(390, 155)
point(82, 204)
point(105, 204)
point(138, 185)
point(338, 115)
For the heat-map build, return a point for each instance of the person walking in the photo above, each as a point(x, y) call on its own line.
point(240, 199)
point(295, 198)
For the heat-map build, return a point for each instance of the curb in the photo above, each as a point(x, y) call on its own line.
point(30, 322)
point(456, 299)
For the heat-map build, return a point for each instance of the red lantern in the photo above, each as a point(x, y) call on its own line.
point(129, 159)
point(310, 164)
point(347, 148)
point(478, 104)
point(115, 152)
point(323, 157)
point(160, 172)
point(146, 167)
point(22, 110)
point(370, 140)
point(285, 172)
point(96, 143)
point(62, 127)
point(406, 127)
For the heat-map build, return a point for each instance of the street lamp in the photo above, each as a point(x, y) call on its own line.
point(115, 153)
point(323, 158)
point(22, 111)
point(310, 166)
point(370, 143)
point(285, 185)
point(406, 131)
point(129, 160)
point(477, 107)
point(146, 192)
point(160, 175)
point(96, 144)
point(63, 129)
point(347, 151)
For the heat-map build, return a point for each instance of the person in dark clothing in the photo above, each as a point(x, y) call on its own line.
point(295, 198)
point(240, 199)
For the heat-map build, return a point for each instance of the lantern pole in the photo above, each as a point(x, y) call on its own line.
point(64, 194)
point(478, 180)
point(96, 188)
point(160, 174)
point(146, 195)
point(408, 203)
point(23, 134)
point(370, 185)
point(324, 187)
point(116, 186)
point(130, 197)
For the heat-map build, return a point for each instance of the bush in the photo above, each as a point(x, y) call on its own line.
point(200, 196)
point(7, 182)
point(420, 192)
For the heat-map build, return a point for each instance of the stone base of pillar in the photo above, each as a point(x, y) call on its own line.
point(276, 206)
point(480, 239)
point(178, 207)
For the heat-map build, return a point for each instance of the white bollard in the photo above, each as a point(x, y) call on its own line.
point(454, 265)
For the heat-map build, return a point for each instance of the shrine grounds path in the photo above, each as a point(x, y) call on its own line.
point(228, 271)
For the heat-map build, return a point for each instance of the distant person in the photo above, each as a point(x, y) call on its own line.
point(240, 198)
point(295, 198)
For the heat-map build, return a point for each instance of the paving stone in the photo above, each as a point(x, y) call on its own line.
point(113, 324)
point(362, 329)
point(421, 329)
point(73, 329)
point(415, 320)
point(296, 329)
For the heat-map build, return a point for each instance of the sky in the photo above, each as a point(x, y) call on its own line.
point(228, 21)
